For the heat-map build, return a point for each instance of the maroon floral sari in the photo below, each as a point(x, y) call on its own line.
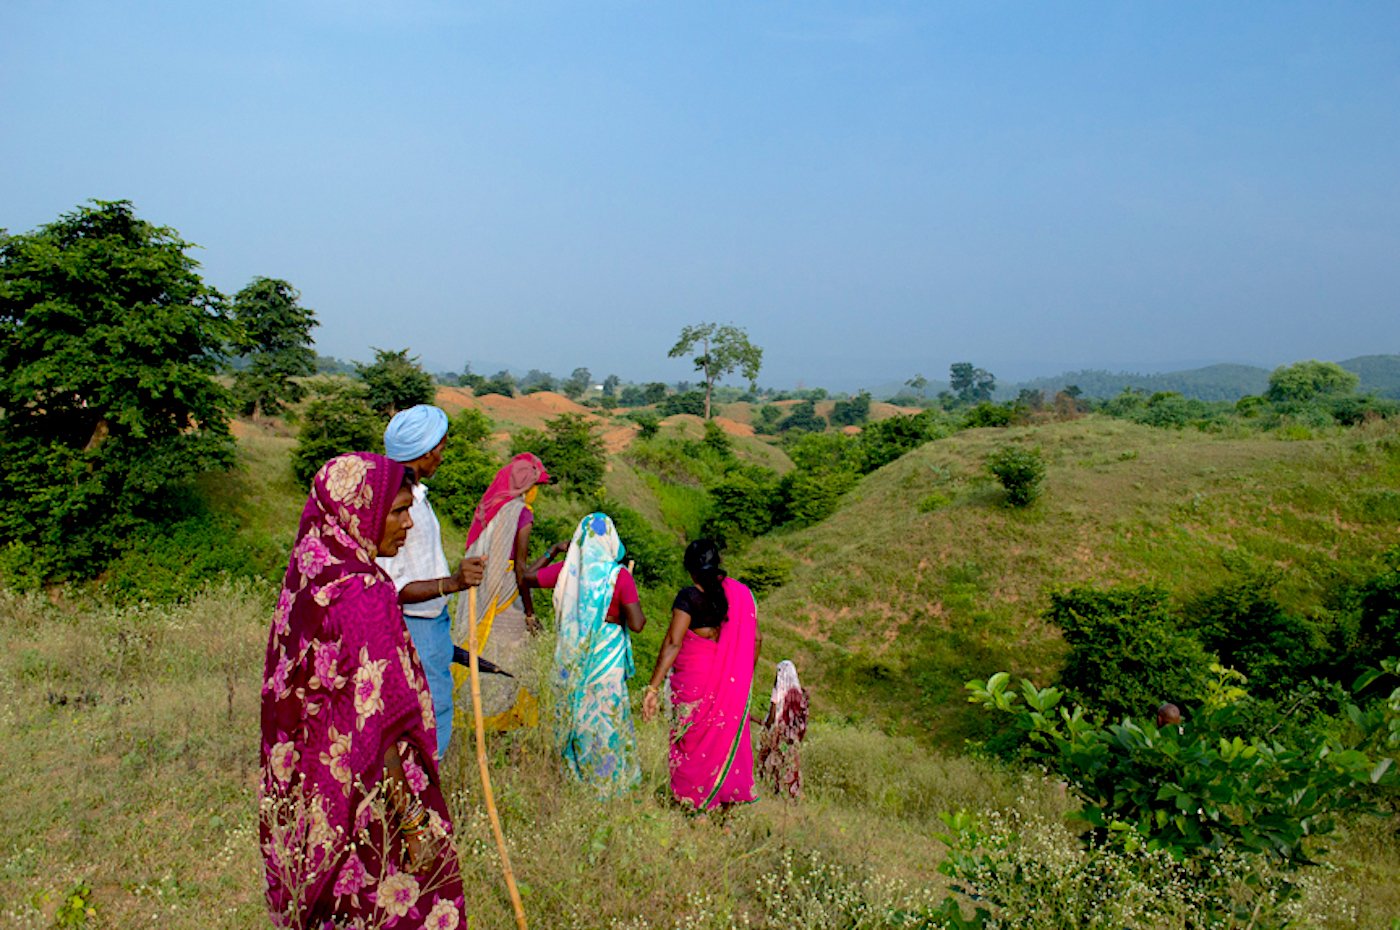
point(342, 683)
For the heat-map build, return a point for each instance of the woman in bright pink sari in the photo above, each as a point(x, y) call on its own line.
point(353, 828)
point(710, 650)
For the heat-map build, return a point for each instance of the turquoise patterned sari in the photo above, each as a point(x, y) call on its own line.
point(593, 728)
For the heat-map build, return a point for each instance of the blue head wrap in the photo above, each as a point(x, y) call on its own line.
point(414, 432)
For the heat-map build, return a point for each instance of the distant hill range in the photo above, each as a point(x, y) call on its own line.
point(1380, 375)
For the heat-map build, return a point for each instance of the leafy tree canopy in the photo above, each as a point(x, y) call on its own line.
point(571, 451)
point(396, 382)
point(723, 349)
point(108, 343)
point(276, 339)
point(971, 384)
point(1303, 381)
point(338, 419)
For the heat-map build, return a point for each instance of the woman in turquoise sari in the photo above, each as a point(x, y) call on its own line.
point(595, 605)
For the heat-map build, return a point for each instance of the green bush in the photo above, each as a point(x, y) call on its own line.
point(1128, 653)
point(803, 416)
point(810, 497)
point(989, 414)
point(763, 574)
point(467, 467)
point(571, 450)
point(338, 419)
point(656, 554)
point(648, 424)
point(1021, 472)
point(742, 505)
point(886, 440)
point(173, 563)
point(852, 412)
point(1246, 627)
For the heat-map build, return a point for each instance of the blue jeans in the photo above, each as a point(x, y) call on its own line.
point(432, 637)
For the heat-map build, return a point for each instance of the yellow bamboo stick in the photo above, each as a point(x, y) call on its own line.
point(481, 762)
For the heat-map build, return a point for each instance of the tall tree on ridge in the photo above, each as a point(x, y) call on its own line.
point(722, 350)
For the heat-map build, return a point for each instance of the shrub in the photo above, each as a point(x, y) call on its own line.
point(467, 467)
point(852, 412)
point(742, 505)
point(172, 563)
point(803, 416)
point(1246, 627)
point(717, 440)
point(657, 557)
point(571, 450)
point(1127, 653)
point(648, 424)
point(1021, 472)
point(502, 382)
point(338, 419)
point(810, 497)
point(764, 574)
point(886, 440)
point(766, 420)
point(988, 414)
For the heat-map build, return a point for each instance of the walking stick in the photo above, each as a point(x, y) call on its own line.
point(481, 762)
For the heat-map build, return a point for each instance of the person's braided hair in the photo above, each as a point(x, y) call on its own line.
point(703, 563)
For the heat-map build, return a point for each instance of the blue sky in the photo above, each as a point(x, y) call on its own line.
point(870, 189)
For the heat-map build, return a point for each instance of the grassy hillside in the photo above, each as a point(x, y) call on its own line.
point(923, 580)
point(1380, 374)
point(128, 769)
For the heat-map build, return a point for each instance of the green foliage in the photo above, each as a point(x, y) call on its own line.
point(886, 440)
point(1303, 381)
point(723, 348)
point(763, 573)
point(717, 440)
point(502, 382)
point(174, 563)
point(969, 384)
point(742, 505)
point(987, 413)
point(536, 380)
point(1020, 471)
point(1246, 627)
point(803, 416)
point(571, 449)
point(852, 412)
point(1198, 788)
point(1127, 652)
point(809, 497)
point(766, 420)
point(108, 344)
point(338, 419)
point(276, 341)
point(396, 382)
point(467, 467)
point(690, 402)
point(648, 424)
point(657, 557)
point(577, 383)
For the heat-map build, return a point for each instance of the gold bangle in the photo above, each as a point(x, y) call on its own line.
point(440, 594)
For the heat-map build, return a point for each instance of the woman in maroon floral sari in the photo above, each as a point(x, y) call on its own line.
point(354, 831)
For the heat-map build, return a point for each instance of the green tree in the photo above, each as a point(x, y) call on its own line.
point(277, 343)
point(918, 383)
point(577, 383)
point(338, 419)
point(535, 381)
point(722, 350)
point(1304, 381)
point(803, 417)
point(109, 341)
point(396, 382)
point(610, 384)
point(971, 384)
point(571, 449)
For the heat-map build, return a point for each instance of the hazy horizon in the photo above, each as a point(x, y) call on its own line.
point(871, 190)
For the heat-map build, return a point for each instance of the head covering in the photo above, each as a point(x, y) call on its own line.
point(414, 432)
point(785, 681)
point(339, 654)
point(518, 476)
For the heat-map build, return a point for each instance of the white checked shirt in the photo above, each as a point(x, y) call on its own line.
point(421, 557)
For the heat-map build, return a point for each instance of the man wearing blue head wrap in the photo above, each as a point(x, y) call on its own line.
point(416, 437)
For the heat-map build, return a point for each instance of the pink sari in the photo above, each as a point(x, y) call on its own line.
point(342, 684)
point(711, 752)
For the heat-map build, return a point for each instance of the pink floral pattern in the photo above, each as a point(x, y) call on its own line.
point(341, 686)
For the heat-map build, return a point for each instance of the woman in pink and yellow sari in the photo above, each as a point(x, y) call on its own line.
point(710, 651)
point(352, 825)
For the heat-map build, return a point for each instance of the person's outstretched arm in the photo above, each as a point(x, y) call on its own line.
point(670, 648)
